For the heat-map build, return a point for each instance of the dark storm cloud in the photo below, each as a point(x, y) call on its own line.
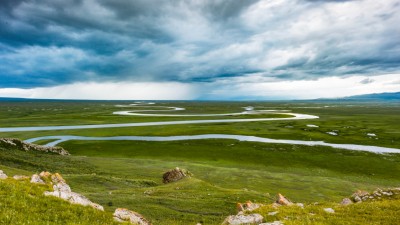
point(51, 42)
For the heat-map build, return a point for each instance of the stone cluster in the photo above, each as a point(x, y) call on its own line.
point(362, 196)
point(20, 145)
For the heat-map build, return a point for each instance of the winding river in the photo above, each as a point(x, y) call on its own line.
point(139, 112)
point(353, 147)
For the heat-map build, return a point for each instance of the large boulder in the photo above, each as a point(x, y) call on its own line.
point(3, 175)
point(175, 175)
point(243, 219)
point(126, 215)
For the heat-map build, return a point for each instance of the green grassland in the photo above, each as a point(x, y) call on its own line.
point(352, 122)
point(128, 173)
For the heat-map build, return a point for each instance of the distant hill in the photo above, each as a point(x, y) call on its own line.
point(376, 97)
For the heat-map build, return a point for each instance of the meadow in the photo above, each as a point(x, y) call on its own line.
point(129, 173)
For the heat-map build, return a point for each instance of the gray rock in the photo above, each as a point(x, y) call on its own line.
point(35, 179)
point(125, 215)
point(20, 177)
point(248, 206)
point(243, 219)
point(3, 175)
point(357, 199)
point(273, 213)
point(329, 210)
point(272, 223)
point(346, 201)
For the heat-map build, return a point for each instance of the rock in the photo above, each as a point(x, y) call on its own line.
point(357, 199)
point(282, 200)
point(301, 205)
point(175, 175)
point(389, 193)
point(20, 177)
point(273, 213)
point(97, 206)
point(346, 201)
point(3, 175)
point(275, 205)
point(248, 206)
point(243, 219)
point(360, 195)
point(376, 193)
point(14, 143)
point(57, 178)
point(45, 174)
point(63, 190)
point(36, 179)
point(272, 223)
point(125, 215)
point(329, 210)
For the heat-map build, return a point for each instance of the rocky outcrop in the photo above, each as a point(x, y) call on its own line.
point(125, 215)
point(243, 219)
point(3, 175)
point(361, 196)
point(175, 175)
point(13, 143)
point(62, 190)
point(248, 206)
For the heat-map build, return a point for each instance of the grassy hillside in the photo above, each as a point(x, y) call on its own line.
point(23, 203)
point(128, 174)
point(384, 211)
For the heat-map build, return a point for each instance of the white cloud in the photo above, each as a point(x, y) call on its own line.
point(108, 91)
point(249, 88)
point(328, 87)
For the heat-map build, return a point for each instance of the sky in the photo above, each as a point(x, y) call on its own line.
point(198, 49)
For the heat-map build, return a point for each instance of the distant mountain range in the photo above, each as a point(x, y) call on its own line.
point(392, 96)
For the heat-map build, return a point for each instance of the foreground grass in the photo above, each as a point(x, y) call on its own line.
point(128, 174)
point(385, 211)
point(24, 203)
